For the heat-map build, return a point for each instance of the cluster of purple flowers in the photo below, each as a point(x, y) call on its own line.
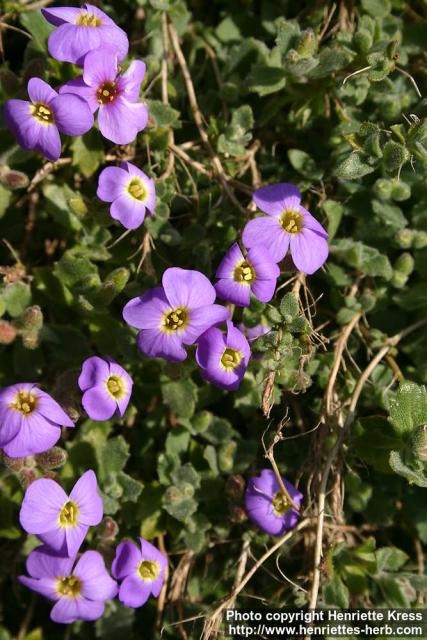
point(89, 38)
point(80, 584)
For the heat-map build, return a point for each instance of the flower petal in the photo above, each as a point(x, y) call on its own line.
point(309, 250)
point(120, 121)
point(263, 290)
point(187, 288)
point(41, 505)
point(85, 494)
point(78, 87)
point(51, 410)
point(98, 403)
point(40, 92)
point(74, 537)
point(96, 582)
point(134, 592)
point(10, 424)
point(36, 434)
point(45, 586)
point(43, 562)
point(126, 560)
point(236, 292)
point(112, 183)
point(71, 42)
point(73, 115)
point(129, 211)
point(130, 82)
point(100, 66)
point(48, 142)
point(310, 222)
point(67, 610)
point(271, 199)
point(94, 371)
point(202, 319)
point(229, 262)
point(147, 311)
point(267, 232)
point(153, 342)
point(61, 15)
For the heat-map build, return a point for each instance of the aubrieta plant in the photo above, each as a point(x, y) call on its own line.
point(214, 237)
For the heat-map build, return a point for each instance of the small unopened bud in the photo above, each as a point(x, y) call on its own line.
point(420, 239)
point(400, 191)
point(235, 486)
point(237, 514)
point(405, 238)
point(31, 339)
point(27, 476)
point(7, 332)
point(52, 459)
point(405, 264)
point(108, 529)
point(32, 318)
point(382, 188)
point(307, 45)
point(78, 206)
point(13, 179)
point(14, 464)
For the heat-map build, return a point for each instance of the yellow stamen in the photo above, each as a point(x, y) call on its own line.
point(107, 92)
point(175, 320)
point(116, 387)
point(24, 402)
point(148, 570)
point(68, 516)
point(244, 273)
point(291, 221)
point(230, 359)
point(137, 189)
point(281, 504)
point(86, 19)
point(68, 586)
point(42, 113)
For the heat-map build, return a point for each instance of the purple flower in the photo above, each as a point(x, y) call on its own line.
point(287, 225)
point(130, 191)
point(37, 124)
point(79, 592)
point(107, 388)
point(252, 333)
point(80, 30)
point(175, 314)
point(223, 358)
point(120, 115)
point(266, 505)
point(141, 572)
point(61, 521)
point(240, 275)
point(30, 420)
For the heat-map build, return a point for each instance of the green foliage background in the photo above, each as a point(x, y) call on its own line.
point(269, 80)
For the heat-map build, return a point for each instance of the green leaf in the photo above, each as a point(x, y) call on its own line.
point(354, 167)
point(373, 440)
point(392, 591)
point(112, 457)
point(391, 558)
point(289, 307)
point(180, 396)
point(408, 409)
point(265, 80)
point(164, 115)
point(88, 152)
point(377, 8)
point(336, 593)
point(16, 297)
point(131, 488)
point(413, 476)
point(304, 164)
point(177, 441)
point(39, 28)
point(366, 259)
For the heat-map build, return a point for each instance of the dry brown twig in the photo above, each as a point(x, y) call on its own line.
point(165, 96)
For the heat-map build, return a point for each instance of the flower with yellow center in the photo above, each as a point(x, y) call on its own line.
point(291, 221)
point(86, 19)
point(42, 113)
point(25, 402)
point(230, 359)
point(68, 586)
point(148, 570)
point(69, 515)
point(244, 273)
point(175, 320)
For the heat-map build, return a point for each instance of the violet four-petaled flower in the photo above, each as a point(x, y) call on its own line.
point(287, 225)
point(107, 388)
point(223, 357)
point(79, 593)
point(175, 314)
point(130, 191)
point(240, 275)
point(30, 420)
point(141, 572)
point(268, 507)
point(115, 96)
point(253, 333)
point(37, 124)
point(59, 520)
point(80, 30)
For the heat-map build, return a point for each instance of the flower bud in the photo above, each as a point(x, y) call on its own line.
point(237, 514)
point(13, 179)
point(400, 191)
point(78, 206)
point(31, 339)
point(395, 155)
point(27, 476)
point(32, 318)
point(404, 264)
point(382, 188)
point(108, 529)
point(363, 40)
point(420, 239)
point(234, 487)
point(7, 332)
point(307, 44)
point(51, 459)
point(14, 464)
point(405, 238)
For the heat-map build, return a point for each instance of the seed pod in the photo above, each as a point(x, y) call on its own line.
point(108, 529)
point(52, 459)
point(235, 486)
